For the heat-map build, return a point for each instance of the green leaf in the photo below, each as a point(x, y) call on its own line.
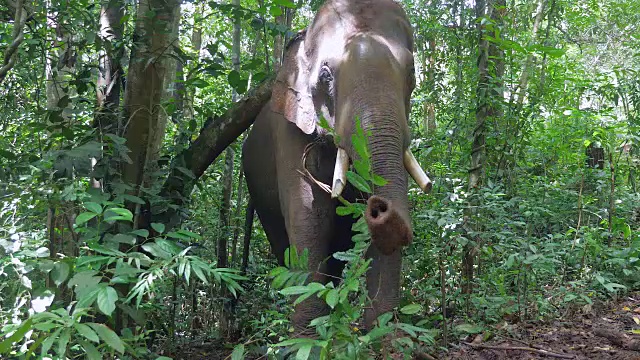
point(60, 272)
point(411, 309)
point(113, 214)
point(363, 168)
point(106, 300)
point(108, 336)
point(238, 352)
point(90, 350)
point(294, 290)
point(133, 199)
point(275, 11)
point(124, 239)
point(303, 352)
point(379, 180)
point(87, 332)
point(332, 298)
point(63, 341)
point(357, 181)
point(158, 227)
point(141, 232)
point(48, 342)
point(6, 345)
point(156, 250)
point(84, 217)
point(93, 207)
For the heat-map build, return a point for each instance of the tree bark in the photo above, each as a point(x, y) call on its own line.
point(110, 73)
point(248, 228)
point(216, 136)
point(150, 70)
point(489, 106)
point(17, 36)
point(236, 217)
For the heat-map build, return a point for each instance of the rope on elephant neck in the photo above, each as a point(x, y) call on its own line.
point(305, 172)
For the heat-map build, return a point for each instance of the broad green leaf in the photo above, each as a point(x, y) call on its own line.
point(141, 232)
point(90, 350)
point(84, 217)
point(332, 298)
point(156, 250)
point(124, 239)
point(379, 180)
point(93, 207)
point(411, 309)
point(6, 345)
point(113, 214)
point(106, 300)
point(60, 272)
point(133, 199)
point(87, 332)
point(363, 168)
point(357, 181)
point(303, 352)
point(238, 352)
point(108, 336)
point(158, 227)
point(48, 342)
point(294, 290)
point(63, 341)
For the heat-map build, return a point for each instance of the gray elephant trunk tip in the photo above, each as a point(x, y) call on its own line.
point(389, 230)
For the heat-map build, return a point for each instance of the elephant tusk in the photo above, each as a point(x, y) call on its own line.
point(416, 172)
point(340, 173)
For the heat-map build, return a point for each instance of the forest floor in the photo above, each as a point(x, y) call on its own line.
point(602, 331)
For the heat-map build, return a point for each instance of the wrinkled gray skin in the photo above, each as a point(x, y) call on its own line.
point(356, 59)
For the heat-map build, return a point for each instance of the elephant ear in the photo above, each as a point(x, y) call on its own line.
point(291, 94)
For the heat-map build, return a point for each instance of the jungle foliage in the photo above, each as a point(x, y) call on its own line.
point(114, 216)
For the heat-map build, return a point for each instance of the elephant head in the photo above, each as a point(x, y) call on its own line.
point(356, 60)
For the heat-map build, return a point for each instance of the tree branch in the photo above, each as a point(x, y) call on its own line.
point(216, 136)
point(18, 37)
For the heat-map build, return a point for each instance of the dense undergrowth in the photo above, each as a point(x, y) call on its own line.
point(552, 229)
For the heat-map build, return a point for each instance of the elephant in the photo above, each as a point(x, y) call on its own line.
point(354, 60)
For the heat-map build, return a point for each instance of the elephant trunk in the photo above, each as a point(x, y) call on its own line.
point(387, 213)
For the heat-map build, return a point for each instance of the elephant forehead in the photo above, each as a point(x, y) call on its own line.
point(373, 47)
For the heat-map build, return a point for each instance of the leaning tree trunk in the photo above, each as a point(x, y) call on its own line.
point(150, 70)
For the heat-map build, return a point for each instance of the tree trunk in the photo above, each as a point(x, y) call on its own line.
point(248, 228)
point(429, 104)
point(490, 61)
point(150, 70)
point(61, 214)
point(110, 73)
point(236, 219)
point(17, 37)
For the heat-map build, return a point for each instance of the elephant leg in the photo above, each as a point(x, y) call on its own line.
point(258, 161)
point(308, 211)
